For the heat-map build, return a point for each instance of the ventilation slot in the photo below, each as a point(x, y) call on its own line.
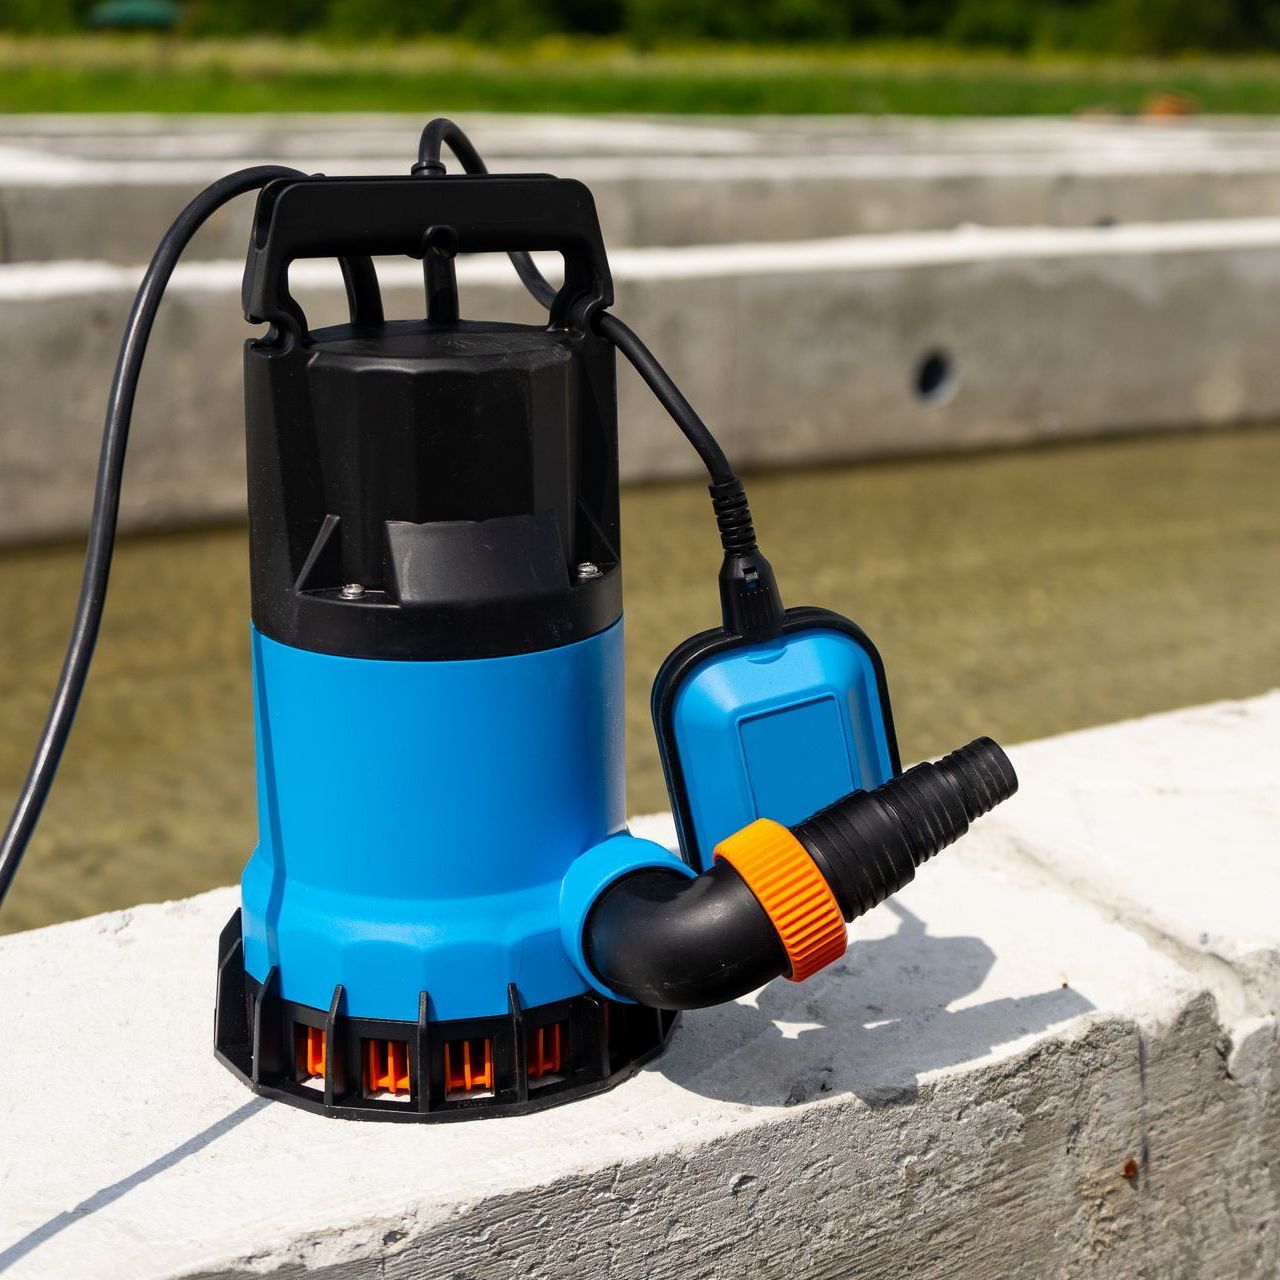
point(468, 1069)
point(308, 1054)
point(546, 1052)
point(386, 1069)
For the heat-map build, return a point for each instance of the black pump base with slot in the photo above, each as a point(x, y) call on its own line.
point(426, 1071)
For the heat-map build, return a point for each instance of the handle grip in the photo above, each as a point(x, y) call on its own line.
point(320, 217)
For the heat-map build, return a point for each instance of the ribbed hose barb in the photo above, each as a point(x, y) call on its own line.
point(776, 900)
point(869, 843)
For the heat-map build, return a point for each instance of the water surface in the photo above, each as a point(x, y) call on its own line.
point(1018, 594)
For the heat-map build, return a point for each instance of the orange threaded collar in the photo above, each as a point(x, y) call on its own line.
point(786, 882)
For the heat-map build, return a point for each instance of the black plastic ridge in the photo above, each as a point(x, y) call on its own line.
point(519, 1045)
point(336, 1079)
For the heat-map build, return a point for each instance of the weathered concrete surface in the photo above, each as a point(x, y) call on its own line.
point(798, 352)
point(1101, 834)
point(801, 350)
point(105, 187)
point(1002, 1078)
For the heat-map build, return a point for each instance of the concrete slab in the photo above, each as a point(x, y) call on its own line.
point(798, 353)
point(105, 187)
point(1106, 803)
point(1001, 1078)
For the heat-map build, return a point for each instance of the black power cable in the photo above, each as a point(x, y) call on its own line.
point(750, 603)
point(442, 132)
point(748, 592)
point(670, 396)
point(106, 506)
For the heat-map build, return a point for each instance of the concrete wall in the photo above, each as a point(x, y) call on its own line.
point(811, 273)
point(1053, 1054)
point(106, 187)
point(797, 353)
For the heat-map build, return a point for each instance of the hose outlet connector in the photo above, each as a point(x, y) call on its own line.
point(868, 844)
point(776, 899)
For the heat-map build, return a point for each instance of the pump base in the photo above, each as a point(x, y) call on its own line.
point(366, 1069)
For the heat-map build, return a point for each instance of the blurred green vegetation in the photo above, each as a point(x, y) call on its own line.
point(1111, 26)
point(114, 72)
point(941, 57)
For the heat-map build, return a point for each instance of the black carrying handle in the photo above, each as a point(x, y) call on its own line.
point(352, 218)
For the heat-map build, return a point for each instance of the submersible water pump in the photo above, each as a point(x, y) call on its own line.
point(445, 915)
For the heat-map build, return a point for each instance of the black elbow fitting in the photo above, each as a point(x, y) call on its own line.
point(664, 940)
point(674, 943)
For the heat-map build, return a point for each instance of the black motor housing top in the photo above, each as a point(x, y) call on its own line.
point(427, 488)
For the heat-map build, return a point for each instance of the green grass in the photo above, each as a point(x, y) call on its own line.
point(156, 74)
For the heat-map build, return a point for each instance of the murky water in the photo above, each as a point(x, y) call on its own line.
point(1019, 594)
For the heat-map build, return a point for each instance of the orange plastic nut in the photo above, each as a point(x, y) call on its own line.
point(786, 881)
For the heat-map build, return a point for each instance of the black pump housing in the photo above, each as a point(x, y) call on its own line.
point(428, 488)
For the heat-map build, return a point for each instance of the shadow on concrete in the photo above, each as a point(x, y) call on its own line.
point(871, 1025)
point(108, 1195)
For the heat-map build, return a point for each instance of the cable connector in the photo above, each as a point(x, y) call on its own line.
point(750, 604)
point(749, 601)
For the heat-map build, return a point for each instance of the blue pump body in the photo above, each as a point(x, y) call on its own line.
point(446, 826)
point(417, 818)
